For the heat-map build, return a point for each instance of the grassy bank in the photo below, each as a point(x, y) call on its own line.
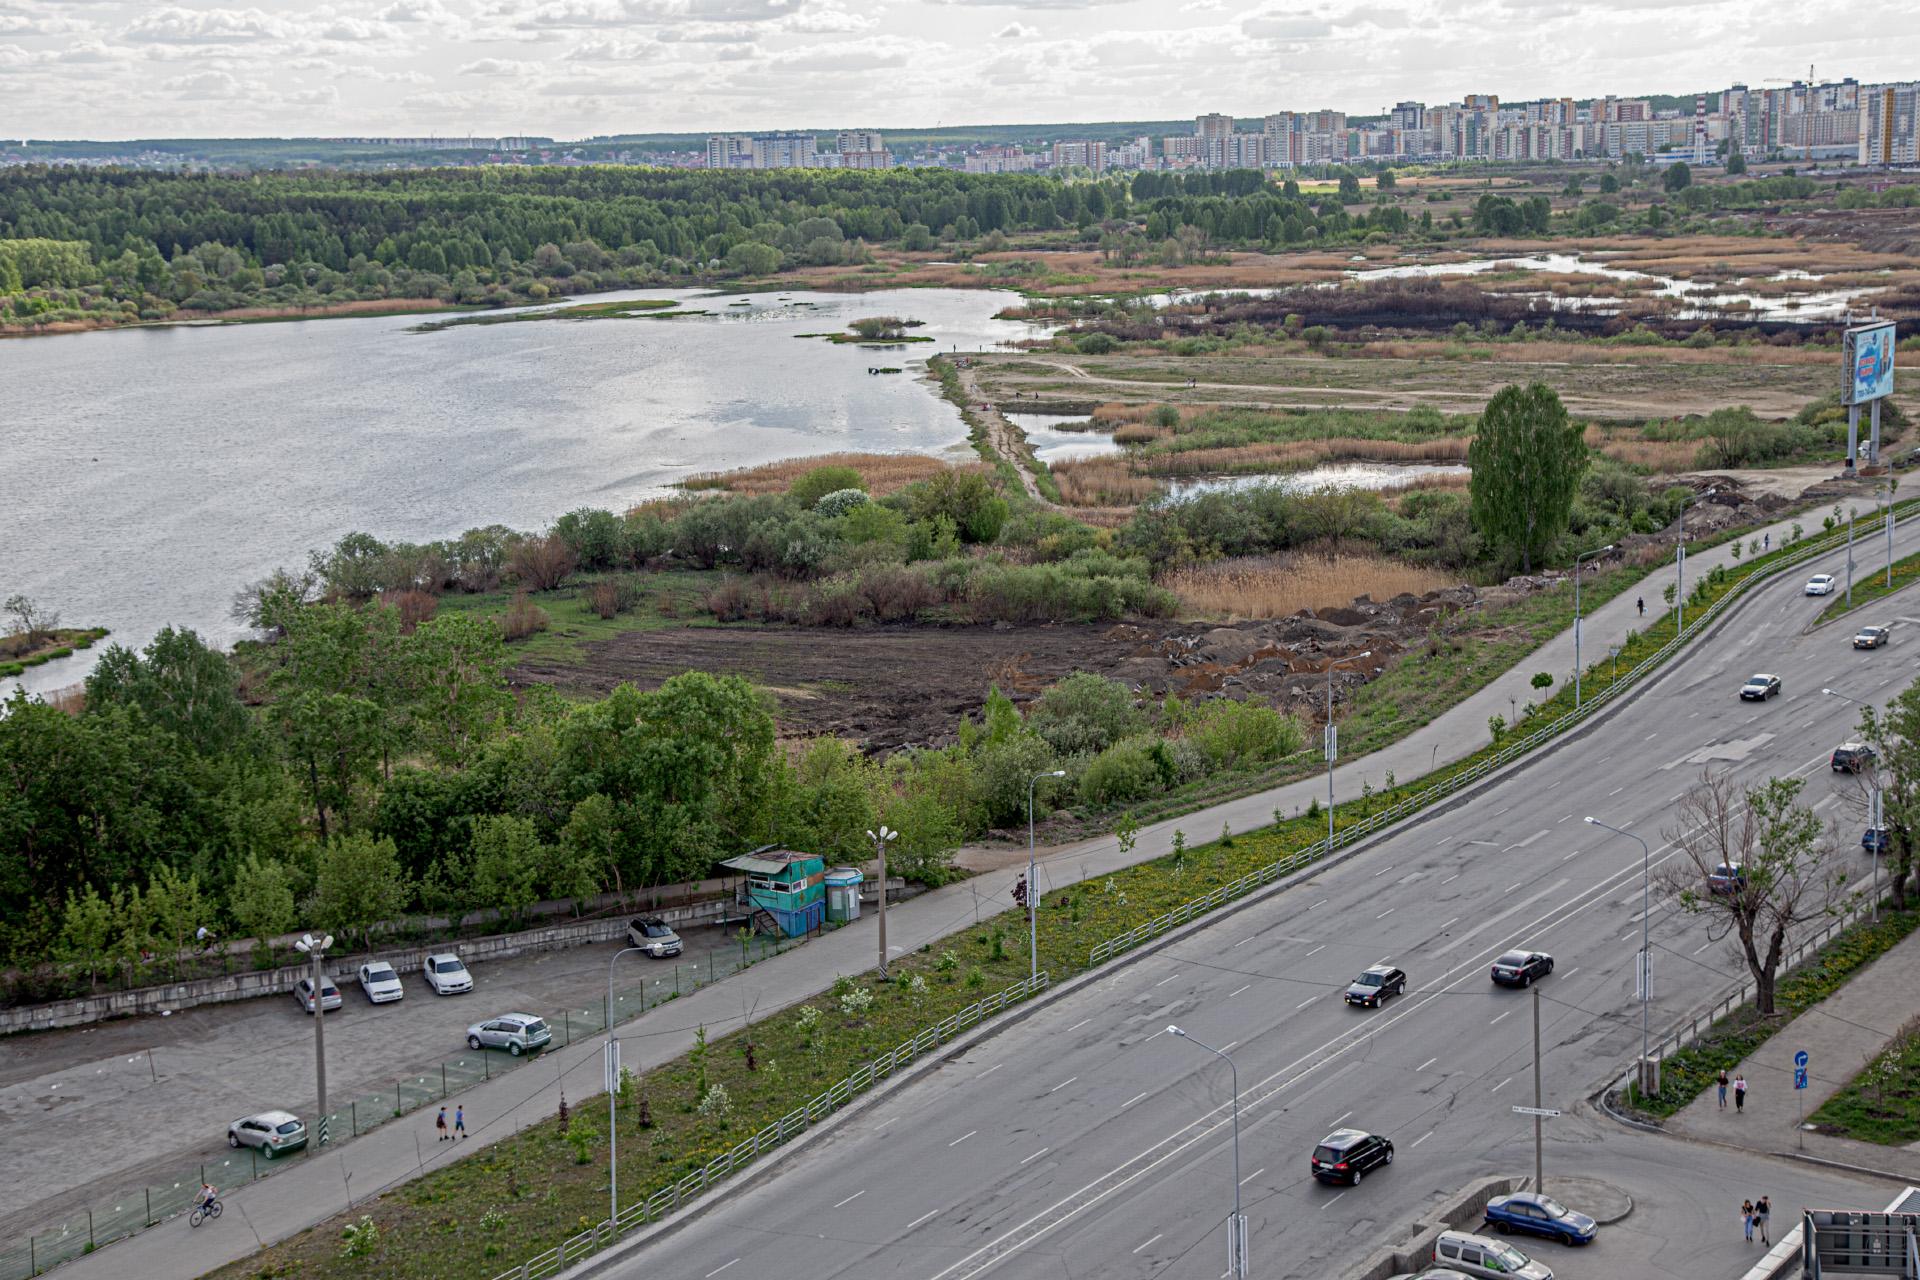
point(660, 600)
point(16, 656)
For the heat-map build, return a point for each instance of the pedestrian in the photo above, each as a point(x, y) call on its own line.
point(1740, 1093)
point(460, 1120)
point(1642, 602)
point(440, 1123)
point(1762, 1213)
point(1766, 542)
point(1746, 1219)
point(1723, 1090)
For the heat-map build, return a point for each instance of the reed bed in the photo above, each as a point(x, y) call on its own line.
point(1102, 482)
point(1139, 433)
point(1274, 587)
point(883, 473)
point(1293, 455)
point(1657, 455)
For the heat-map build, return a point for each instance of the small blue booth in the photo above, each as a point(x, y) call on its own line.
point(790, 887)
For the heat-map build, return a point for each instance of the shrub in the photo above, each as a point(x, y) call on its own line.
point(541, 564)
point(1124, 772)
point(523, 618)
point(839, 502)
point(414, 607)
point(1084, 713)
point(610, 597)
point(821, 481)
point(1095, 344)
point(595, 537)
point(1237, 733)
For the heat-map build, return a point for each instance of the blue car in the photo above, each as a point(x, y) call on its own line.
point(1874, 840)
point(1541, 1216)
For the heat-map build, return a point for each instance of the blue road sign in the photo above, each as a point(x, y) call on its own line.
point(1800, 1059)
point(1799, 1077)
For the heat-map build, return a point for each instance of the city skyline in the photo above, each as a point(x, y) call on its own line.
point(574, 69)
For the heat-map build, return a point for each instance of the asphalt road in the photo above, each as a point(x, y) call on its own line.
point(1087, 1141)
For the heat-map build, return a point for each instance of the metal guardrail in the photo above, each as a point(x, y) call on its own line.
point(1753, 573)
point(665, 1201)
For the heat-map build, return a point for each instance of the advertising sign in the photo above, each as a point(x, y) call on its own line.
point(1868, 357)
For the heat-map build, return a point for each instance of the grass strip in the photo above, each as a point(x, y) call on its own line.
point(1873, 587)
point(1882, 1103)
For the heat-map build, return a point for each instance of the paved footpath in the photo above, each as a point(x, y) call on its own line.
point(318, 1187)
point(1840, 1035)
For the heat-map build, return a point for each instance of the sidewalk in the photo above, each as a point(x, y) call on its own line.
point(317, 1188)
point(1840, 1035)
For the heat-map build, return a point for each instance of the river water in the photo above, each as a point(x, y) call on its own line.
point(146, 475)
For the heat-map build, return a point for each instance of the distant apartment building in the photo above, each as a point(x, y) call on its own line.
point(1212, 126)
point(858, 149)
point(1180, 151)
point(1407, 115)
point(1091, 155)
point(730, 151)
point(999, 159)
point(1890, 124)
point(1137, 154)
point(851, 141)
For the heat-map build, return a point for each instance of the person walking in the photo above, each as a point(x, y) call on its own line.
point(460, 1121)
point(1766, 542)
point(440, 1123)
point(1746, 1219)
point(1740, 1093)
point(1762, 1213)
point(1722, 1082)
point(1642, 602)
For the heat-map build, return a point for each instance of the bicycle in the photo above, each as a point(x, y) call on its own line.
point(201, 1213)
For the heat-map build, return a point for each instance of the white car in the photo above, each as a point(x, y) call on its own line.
point(446, 975)
point(1820, 584)
point(380, 982)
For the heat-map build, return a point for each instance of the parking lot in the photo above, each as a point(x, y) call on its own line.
point(102, 1111)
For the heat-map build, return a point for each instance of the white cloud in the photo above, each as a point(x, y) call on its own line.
point(324, 96)
point(1016, 31)
point(505, 67)
point(205, 84)
point(174, 25)
point(414, 11)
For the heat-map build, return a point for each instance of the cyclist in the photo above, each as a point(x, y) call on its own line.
point(208, 1194)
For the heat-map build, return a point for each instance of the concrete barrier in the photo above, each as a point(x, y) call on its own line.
point(270, 982)
point(1462, 1212)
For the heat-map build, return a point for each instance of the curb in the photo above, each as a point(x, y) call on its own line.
point(1804, 1158)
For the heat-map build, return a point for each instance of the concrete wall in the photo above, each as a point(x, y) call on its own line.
point(268, 982)
point(1461, 1213)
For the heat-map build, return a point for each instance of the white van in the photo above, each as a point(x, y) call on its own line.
point(1486, 1257)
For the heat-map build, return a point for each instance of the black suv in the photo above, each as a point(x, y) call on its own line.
point(1371, 989)
point(1519, 968)
point(1345, 1155)
point(1852, 757)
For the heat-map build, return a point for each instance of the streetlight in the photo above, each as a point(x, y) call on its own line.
point(1237, 1225)
point(1033, 921)
point(1333, 740)
point(316, 949)
point(1850, 515)
point(613, 1094)
point(1576, 618)
point(880, 842)
point(1645, 977)
point(1680, 560)
point(1891, 485)
point(1875, 809)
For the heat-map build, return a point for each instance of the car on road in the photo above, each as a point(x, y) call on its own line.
point(1872, 637)
point(1345, 1155)
point(1726, 877)
point(1486, 1258)
point(1521, 968)
point(1371, 988)
point(329, 995)
point(1820, 584)
point(654, 938)
point(1541, 1216)
point(1852, 757)
point(380, 982)
point(446, 975)
point(270, 1132)
point(1760, 687)
point(517, 1033)
point(1874, 840)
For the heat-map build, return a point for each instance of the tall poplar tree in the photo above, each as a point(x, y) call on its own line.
point(1527, 459)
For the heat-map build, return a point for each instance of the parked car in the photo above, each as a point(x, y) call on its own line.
point(446, 975)
point(1486, 1258)
point(1726, 877)
point(329, 995)
point(1875, 840)
point(1371, 989)
point(1541, 1216)
point(1871, 637)
point(517, 1033)
point(1852, 757)
point(1521, 968)
point(380, 982)
point(271, 1132)
point(653, 937)
point(1345, 1155)
point(1442, 1273)
point(1759, 688)
point(1820, 584)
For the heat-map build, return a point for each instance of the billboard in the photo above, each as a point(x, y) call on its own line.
point(1868, 352)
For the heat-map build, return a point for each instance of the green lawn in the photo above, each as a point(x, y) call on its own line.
point(1882, 1103)
point(1872, 586)
point(669, 599)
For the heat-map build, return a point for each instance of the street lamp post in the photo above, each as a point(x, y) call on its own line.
point(1646, 954)
point(1576, 618)
point(880, 842)
point(1680, 560)
point(1875, 812)
point(1033, 920)
point(316, 950)
point(1333, 741)
point(1237, 1225)
point(613, 1096)
point(1850, 514)
point(1891, 484)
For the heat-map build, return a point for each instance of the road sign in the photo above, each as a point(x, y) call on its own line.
point(1800, 1059)
point(1799, 1077)
point(1535, 1111)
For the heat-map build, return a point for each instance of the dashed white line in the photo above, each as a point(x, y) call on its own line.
point(1382, 871)
point(1164, 981)
point(1384, 914)
point(1342, 1116)
point(1243, 942)
point(1317, 950)
point(1508, 1013)
point(1498, 812)
point(1250, 1177)
point(1442, 840)
point(1558, 821)
point(1702, 947)
point(1650, 737)
point(1616, 791)
point(1232, 994)
point(1569, 973)
point(1149, 1240)
point(1083, 1022)
point(990, 1070)
point(1229, 1046)
point(1422, 1138)
point(1450, 879)
point(1304, 1003)
point(1029, 1160)
point(717, 1270)
point(1316, 906)
point(1454, 921)
point(922, 1218)
point(850, 1199)
point(1429, 1062)
point(1503, 1084)
point(1332, 1199)
point(1130, 1101)
point(1156, 1035)
point(1063, 1084)
point(963, 1137)
point(1515, 885)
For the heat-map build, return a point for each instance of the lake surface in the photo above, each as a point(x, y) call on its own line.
point(1053, 440)
point(149, 474)
point(1336, 475)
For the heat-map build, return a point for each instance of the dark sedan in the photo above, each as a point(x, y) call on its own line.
point(1759, 688)
point(1541, 1216)
point(1871, 637)
point(1522, 968)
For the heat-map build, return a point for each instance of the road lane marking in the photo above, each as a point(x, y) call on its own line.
point(1304, 1003)
point(1558, 821)
point(1232, 994)
point(1503, 1084)
point(990, 1070)
point(1316, 951)
point(1384, 914)
point(717, 1270)
point(1616, 791)
point(1450, 879)
point(1083, 1022)
point(1149, 1240)
point(1442, 840)
point(1496, 919)
point(1422, 1138)
point(1569, 973)
point(1156, 1035)
point(1382, 871)
point(1250, 1177)
point(963, 1137)
point(1130, 1101)
point(1342, 1116)
point(850, 1199)
point(1244, 941)
point(1454, 921)
point(1702, 947)
point(1229, 1046)
point(1164, 981)
point(1063, 1084)
point(1515, 885)
point(1331, 1200)
point(1029, 1160)
point(1316, 906)
point(1556, 783)
point(1650, 737)
point(1498, 812)
point(922, 1218)
point(1509, 1012)
point(1529, 840)
point(1429, 1062)
point(1576, 853)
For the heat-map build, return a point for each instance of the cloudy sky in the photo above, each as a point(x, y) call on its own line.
point(577, 68)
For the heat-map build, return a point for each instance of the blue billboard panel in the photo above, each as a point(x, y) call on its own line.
point(1868, 351)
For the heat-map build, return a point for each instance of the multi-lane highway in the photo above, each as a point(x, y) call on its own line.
point(1087, 1141)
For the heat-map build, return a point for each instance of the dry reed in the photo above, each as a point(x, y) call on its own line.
point(1281, 455)
point(883, 473)
point(1270, 587)
point(1102, 482)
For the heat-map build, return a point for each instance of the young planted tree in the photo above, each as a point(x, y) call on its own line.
point(1527, 460)
point(1894, 734)
point(1786, 875)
